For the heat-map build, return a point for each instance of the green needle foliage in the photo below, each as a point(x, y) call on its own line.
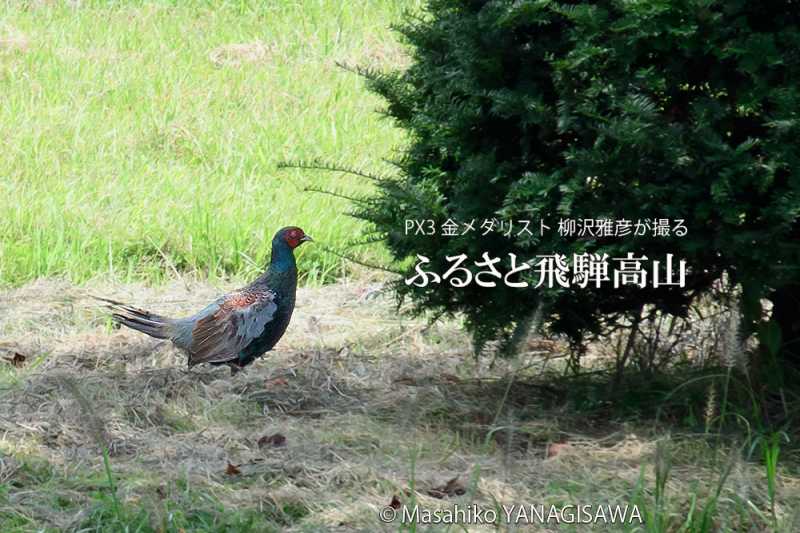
point(538, 110)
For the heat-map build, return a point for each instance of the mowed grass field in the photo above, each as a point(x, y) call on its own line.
point(140, 139)
point(357, 409)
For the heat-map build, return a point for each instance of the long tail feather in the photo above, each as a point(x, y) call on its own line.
point(152, 324)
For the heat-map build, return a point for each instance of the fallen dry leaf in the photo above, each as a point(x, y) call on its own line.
point(18, 360)
point(482, 418)
point(275, 441)
point(542, 345)
point(556, 448)
point(454, 487)
point(233, 470)
point(276, 382)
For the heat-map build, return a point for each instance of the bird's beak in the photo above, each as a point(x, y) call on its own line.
point(306, 238)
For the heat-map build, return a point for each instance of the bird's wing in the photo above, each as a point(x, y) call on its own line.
point(239, 318)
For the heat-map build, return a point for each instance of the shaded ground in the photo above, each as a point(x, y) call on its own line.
point(355, 408)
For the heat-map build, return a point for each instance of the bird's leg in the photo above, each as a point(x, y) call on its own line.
point(235, 368)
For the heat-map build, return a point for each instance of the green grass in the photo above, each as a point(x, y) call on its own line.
point(97, 508)
point(132, 149)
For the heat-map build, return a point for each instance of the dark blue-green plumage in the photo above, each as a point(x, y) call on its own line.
point(238, 327)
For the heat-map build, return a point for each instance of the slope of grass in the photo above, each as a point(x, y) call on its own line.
point(141, 138)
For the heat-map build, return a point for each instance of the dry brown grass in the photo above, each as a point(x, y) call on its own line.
point(12, 40)
point(359, 394)
point(236, 54)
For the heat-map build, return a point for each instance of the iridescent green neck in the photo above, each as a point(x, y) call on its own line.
point(282, 259)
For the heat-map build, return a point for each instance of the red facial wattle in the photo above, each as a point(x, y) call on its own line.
point(295, 238)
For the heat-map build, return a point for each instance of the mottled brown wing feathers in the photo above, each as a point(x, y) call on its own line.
point(240, 318)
